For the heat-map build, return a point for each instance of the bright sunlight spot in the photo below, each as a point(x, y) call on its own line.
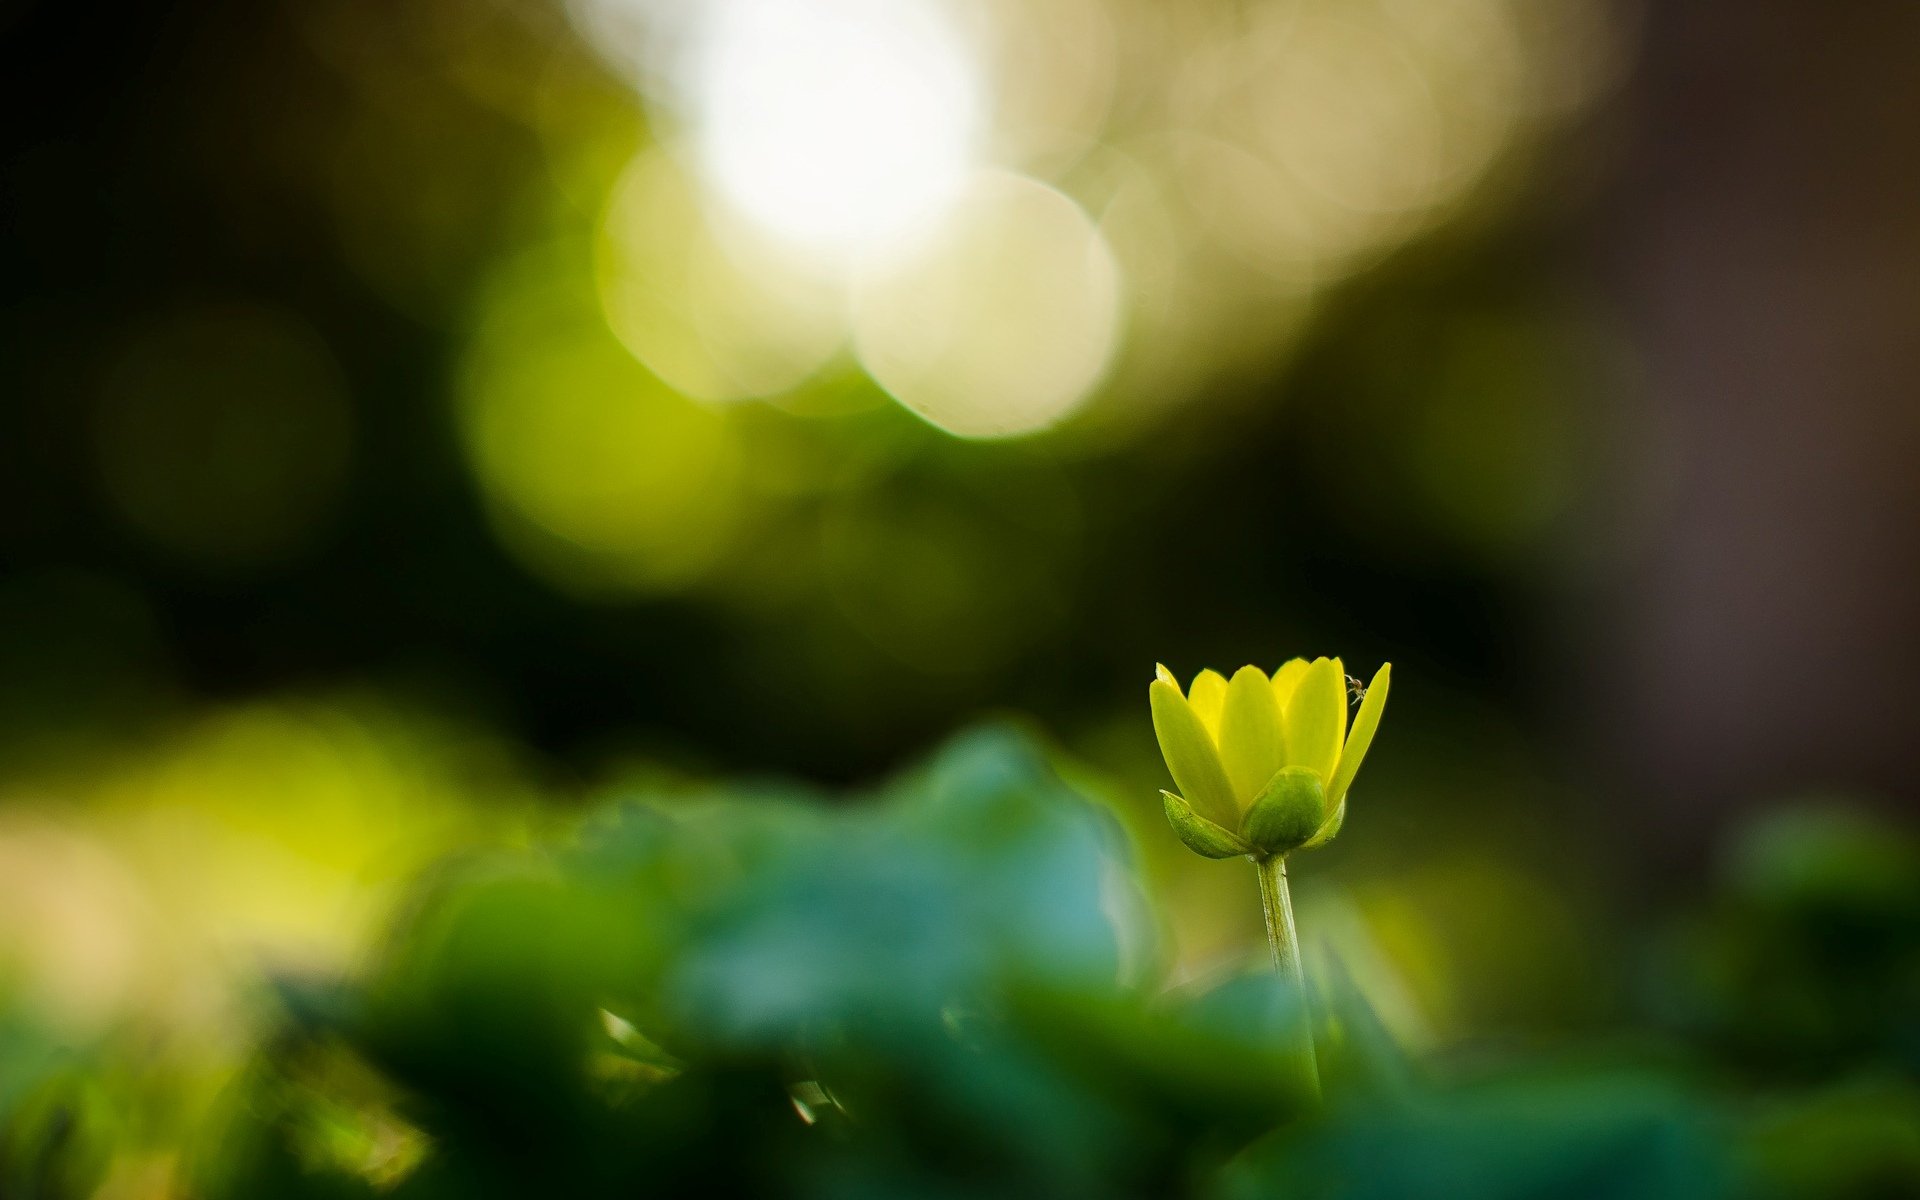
point(834, 123)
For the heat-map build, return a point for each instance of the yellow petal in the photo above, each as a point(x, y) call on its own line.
point(1365, 722)
point(1340, 673)
point(1190, 754)
point(1161, 673)
point(1249, 733)
point(1208, 695)
point(1286, 679)
point(1315, 718)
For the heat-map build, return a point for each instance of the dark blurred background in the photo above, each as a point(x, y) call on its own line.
point(419, 417)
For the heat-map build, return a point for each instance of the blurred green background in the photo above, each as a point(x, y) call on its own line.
point(425, 424)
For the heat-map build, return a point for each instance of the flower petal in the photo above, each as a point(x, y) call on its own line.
point(1249, 734)
point(1340, 673)
point(1202, 836)
point(1316, 717)
point(1208, 695)
point(1160, 672)
point(1365, 722)
point(1190, 754)
point(1286, 679)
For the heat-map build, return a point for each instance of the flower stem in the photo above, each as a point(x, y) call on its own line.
point(1285, 944)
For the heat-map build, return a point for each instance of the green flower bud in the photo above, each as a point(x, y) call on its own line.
point(1288, 812)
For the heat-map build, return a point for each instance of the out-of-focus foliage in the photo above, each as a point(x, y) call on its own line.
point(954, 988)
point(958, 985)
point(1801, 982)
point(1812, 953)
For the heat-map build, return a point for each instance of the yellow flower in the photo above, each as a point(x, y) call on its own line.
point(1263, 765)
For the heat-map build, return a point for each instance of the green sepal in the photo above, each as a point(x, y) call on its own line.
point(1202, 836)
point(1287, 812)
point(1331, 829)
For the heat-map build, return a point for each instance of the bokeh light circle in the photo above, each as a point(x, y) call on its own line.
point(601, 479)
point(1002, 322)
point(833, 122)
point(716, 309)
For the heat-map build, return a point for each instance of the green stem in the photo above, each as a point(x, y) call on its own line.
point(1277, 904)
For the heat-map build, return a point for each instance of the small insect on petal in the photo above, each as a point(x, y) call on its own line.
point(1366, 723)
